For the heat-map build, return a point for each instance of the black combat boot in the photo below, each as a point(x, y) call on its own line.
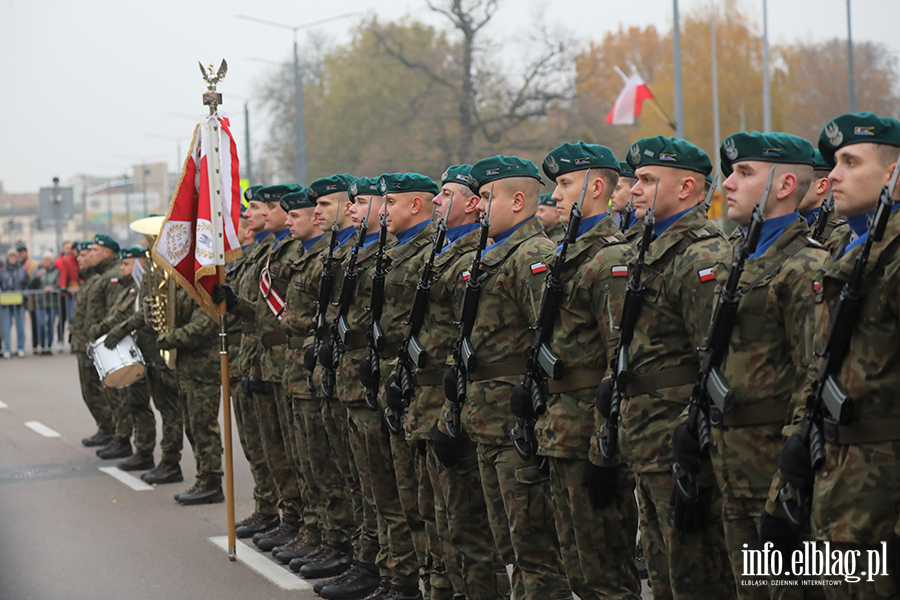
point(167, 471)
point(118, 448)
point(329, 563)
point(279, 536)
point(256, 523)
point(101, 439)
point(137, 462)
point(296, 548)
point(355, 583)
point(201, 493)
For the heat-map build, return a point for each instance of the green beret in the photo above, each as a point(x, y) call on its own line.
point(334, 184)
point(819, 163)
point(295, 201)
point(499, 167)
point(625, 170)
point(251, 192)
point(132, 252)
point(857, 128)
point(106, 241)
point(578, 157)
point(399, 183)
point(708, 178)
point(781, 148)
point(546, 200)
point(79, 246)
point(668, 152)
point(273, 193)
point(456, 174)
point(366, 186)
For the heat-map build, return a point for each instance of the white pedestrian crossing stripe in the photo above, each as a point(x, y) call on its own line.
point(40, 428)
point(272, 571)
point(132, 482)
point(3, 404)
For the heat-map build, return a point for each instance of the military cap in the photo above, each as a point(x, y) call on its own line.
point(546, 200)
point(625, 170)
point(132, 252)
point(819, 163)
point(499, 167)
point(456, 174)
point(105, 241)
point(273, 193)
point(332, 184)
point(578, 157)
point(857, 128)
point(668, 152)
point(780, 148)
point(82, 246)
point(251, 192)
point(365, 186)
point(295, 201)
point(399, 183)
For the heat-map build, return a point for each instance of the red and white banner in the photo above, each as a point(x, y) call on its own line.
point(631, 99)
point(186, 244)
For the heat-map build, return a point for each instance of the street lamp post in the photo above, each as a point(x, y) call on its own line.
point(57, 202)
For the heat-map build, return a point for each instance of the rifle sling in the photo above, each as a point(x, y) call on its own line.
point(862, 432)
point(754, 414)
point(274, 338)
point(660, 380)
point(576, 379)
point(497, 370)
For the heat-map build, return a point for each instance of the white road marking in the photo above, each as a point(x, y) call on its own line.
point(266, 567)
point(3, 404)
point(40, 428)
point(132, 482)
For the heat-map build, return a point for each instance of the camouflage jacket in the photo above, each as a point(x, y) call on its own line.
point(556, 233)
point(839, 229)
point(129, 313)
point(79, 327)
point(197, 342)
point(305, 273)
point(247, 287)
point(584, 338)
point(341, 257)
point(507, 309)
point(233, 323)
point(770, 351)
point(856, 496)
point(439, 328)
point(672, 325)
point(634, 231)
point(100, 297)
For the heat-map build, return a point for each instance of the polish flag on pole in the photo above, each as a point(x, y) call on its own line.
point(628, 104)
point(200, 229)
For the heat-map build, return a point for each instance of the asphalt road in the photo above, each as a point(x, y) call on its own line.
point(71, 531)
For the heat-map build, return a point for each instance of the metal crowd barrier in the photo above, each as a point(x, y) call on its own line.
point(44, 316)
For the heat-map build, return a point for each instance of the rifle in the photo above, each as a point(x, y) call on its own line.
point(625, 217)
point(340, 328)
point(822, 218)
point(375, 334)
point(707, 199)
point(325, 286)
point(609, 444)
point(411, 352)
point(542, 361)
point(828, 405)
point(464, 357)
point(711, 387)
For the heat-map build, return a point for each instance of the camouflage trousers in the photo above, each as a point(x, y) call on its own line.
point(92, 393)
point(371, 539)
point(336, 421)
point(521, 491)
point(169, 401)
point(275, 439)
point(201, 417)
point(124, 422)
point(881, 587)
point(463, 527)
point(417, 500)
point(597, 545)
point(264, 496)
point(741, 518)
point(681, 566)
point(136, 399)
point(371, 451)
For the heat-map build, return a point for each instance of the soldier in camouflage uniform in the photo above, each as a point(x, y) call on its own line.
point(549, 218)
point(197, 341)
point(517, 492)
point(771, 345)
point(811, 205)
point(618, 202)
point(594, 505)
point(683, 561)
point(855, 497)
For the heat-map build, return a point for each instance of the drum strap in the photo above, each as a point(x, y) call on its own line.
point(273, 299)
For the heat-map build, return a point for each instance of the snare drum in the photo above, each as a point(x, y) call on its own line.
point(120, 366)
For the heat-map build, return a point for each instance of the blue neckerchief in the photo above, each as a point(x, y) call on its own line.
point(860, 226)
point(502, 237)
point(260, 236)
point(660, 227)
point(344, 234)
point(771, 231)
point(280, 236)
point(405, 236)
point(371, 237)
point(307, 244)
point(585, 226)
point(454, 233)
point(811, 214)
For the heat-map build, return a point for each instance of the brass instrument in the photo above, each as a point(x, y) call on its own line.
point(158, 308)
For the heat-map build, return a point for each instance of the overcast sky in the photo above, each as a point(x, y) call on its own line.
point(84, 83)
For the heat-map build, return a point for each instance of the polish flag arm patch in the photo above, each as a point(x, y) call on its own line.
point(538, 267)
point(466, 275)
point(706, 274)
point(620, 271)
